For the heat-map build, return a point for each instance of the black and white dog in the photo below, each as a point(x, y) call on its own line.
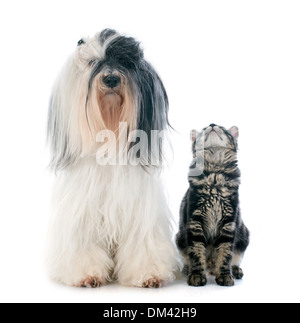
point(107, 118)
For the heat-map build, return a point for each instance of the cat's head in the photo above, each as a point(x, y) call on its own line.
point(215, 136)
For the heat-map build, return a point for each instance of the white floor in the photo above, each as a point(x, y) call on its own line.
point(25, 281)
point(249, 290)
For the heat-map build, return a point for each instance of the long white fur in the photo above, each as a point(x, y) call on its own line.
point(107, 222)
point(110, 220)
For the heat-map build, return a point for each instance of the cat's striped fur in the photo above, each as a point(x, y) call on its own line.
point(212, 236)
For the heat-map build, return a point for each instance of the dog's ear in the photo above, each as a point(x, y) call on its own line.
point(55, 137)
point(153, 106)
point(153, 100)
point(58, 134)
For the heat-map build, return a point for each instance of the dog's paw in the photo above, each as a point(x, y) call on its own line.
point(196, 280)
point(153, 283)
point(225, 280)
point(90, 281)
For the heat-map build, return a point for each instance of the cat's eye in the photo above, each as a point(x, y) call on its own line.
point(80, 42)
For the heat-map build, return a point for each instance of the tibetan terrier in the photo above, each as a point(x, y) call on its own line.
point(106, 126)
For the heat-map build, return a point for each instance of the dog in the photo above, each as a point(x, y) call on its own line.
point(107, 120)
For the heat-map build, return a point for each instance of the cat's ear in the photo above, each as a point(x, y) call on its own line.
point(234, 131)
point(193, 135)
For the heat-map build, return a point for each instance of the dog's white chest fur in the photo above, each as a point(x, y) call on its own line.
point(116, 211)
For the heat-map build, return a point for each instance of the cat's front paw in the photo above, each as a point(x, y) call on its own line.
point(237, 272)
point(196, 280)
point(225, 280)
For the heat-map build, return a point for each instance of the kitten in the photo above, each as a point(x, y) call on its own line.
point(212, 235)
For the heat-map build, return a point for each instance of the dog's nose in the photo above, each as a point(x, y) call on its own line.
point(212, 125)
point(111, 80)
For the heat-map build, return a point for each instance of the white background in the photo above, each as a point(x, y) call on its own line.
point(226, 62)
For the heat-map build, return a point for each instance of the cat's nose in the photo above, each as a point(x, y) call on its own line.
point(212, 125)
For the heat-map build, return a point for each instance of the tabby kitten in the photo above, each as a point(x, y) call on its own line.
point(212, 235)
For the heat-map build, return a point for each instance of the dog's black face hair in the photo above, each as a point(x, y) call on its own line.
point(124, 54)
point(121, 51)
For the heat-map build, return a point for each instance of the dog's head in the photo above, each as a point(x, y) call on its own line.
point(105, 82)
